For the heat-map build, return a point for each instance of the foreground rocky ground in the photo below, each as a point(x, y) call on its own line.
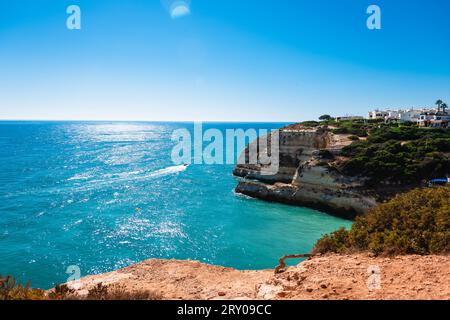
point(359, 276)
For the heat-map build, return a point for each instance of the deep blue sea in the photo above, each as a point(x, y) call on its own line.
point(103, 195)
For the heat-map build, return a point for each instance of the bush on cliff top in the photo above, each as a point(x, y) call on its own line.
point(11, 290)
point(417, 222)
point(392, 153)
point(399, 155)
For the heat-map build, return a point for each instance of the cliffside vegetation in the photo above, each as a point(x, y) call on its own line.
point(417, 222)
point(399, 155)
point(11, 290)
point(391, 153)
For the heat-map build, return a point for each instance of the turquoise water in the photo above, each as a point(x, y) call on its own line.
point(104, 195)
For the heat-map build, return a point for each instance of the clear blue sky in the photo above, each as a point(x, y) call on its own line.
point(228, 60)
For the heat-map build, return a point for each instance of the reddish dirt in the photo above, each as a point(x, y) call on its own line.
point(339, 277)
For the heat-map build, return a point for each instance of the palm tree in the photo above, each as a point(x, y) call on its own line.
point(444, 106)
point(439, 104)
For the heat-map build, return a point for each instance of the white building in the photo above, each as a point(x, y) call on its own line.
point(434, 120)
point(377, 114)
point(408, 115)
point(392, 115)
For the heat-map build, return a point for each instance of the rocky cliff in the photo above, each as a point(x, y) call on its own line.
point(306, 175)
point(329, 277)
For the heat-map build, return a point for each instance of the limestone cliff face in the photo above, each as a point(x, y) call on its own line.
point(305, 177)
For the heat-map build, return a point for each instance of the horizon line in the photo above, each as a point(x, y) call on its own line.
point(159, 121)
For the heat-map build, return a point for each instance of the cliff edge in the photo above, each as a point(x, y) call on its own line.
point(327, 277)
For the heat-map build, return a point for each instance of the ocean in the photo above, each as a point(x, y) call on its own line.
point(103, 195)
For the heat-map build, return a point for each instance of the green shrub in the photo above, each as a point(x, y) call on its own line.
point(10, 290)
point(335, 242)
point(417, 222)
point(340, 131)
point(354, 127)
point(99, 292)
point(310, 123)
point(62, 292)
point(399, 155)
point(119, 292)
point(326, 154)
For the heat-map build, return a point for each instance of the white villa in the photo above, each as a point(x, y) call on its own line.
point(424, 117)
point(434, 119)
point(402, 115)
point(410, 115)
point(378, 114)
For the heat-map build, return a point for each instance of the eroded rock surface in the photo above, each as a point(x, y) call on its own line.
point(306, 177)
point(321, 277)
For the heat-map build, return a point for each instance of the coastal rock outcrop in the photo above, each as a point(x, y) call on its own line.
point(307, 175)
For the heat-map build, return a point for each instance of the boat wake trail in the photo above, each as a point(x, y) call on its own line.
point(128, 177)
point(165, 172)
point(155, 174)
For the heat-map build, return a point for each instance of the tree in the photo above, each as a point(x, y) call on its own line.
point(439, 104)
point(444, 106)
point(325, 117)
